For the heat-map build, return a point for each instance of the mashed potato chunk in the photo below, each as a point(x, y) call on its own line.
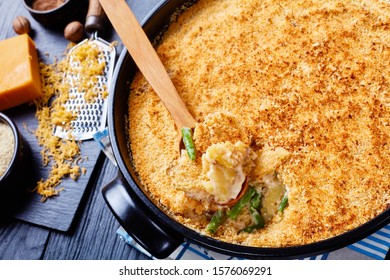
point(226, 166)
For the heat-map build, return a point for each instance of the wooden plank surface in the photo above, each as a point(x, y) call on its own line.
point(92, 234)
point(93, 237)
point(22, 241)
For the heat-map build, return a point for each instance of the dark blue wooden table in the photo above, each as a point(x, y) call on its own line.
point(92, 235)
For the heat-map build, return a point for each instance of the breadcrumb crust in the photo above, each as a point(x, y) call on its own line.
point(311, 77)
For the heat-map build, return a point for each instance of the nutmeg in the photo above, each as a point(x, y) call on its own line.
point(21, 25)
point(74, 31)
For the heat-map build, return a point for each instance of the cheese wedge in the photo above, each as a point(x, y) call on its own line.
point(19, 72)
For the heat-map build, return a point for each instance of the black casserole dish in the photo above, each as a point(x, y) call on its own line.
point(143, 219)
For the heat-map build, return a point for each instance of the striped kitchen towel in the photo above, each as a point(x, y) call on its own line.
point(375, 246)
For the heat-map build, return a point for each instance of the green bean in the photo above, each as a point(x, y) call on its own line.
point(237, 208)
point(257, 219)
point(283, 203)
point(216, 221)
point(256, 200)
point(188, 142)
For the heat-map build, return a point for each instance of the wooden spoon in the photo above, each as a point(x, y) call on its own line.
point(148, 62)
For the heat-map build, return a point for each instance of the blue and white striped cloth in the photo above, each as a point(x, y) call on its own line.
point(375, 246)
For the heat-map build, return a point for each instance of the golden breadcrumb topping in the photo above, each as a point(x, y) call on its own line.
point(308, 85)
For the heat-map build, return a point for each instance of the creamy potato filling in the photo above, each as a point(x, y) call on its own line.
point(261, 204)
point(273, 192)
point(227, 168)
point(227, 165)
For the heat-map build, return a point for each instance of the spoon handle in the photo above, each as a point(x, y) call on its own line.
point(147, 60)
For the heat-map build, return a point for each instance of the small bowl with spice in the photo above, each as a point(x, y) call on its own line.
point(14, 157)
point(55, 13)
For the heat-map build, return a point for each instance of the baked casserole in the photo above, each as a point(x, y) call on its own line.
point(291, 97)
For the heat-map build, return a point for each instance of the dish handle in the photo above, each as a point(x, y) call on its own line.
point(139, 222)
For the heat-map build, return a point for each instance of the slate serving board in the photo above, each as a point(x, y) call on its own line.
point(57, 212)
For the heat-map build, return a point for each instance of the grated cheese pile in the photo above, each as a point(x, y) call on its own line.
point(64, 154)
point(87, 63)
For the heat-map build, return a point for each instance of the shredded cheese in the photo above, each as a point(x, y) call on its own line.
point(87, 63)
point(84, 62)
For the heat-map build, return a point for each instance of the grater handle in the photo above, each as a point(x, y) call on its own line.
point(96, 17)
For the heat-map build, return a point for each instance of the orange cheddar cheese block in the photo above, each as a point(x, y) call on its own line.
point(20, 80)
